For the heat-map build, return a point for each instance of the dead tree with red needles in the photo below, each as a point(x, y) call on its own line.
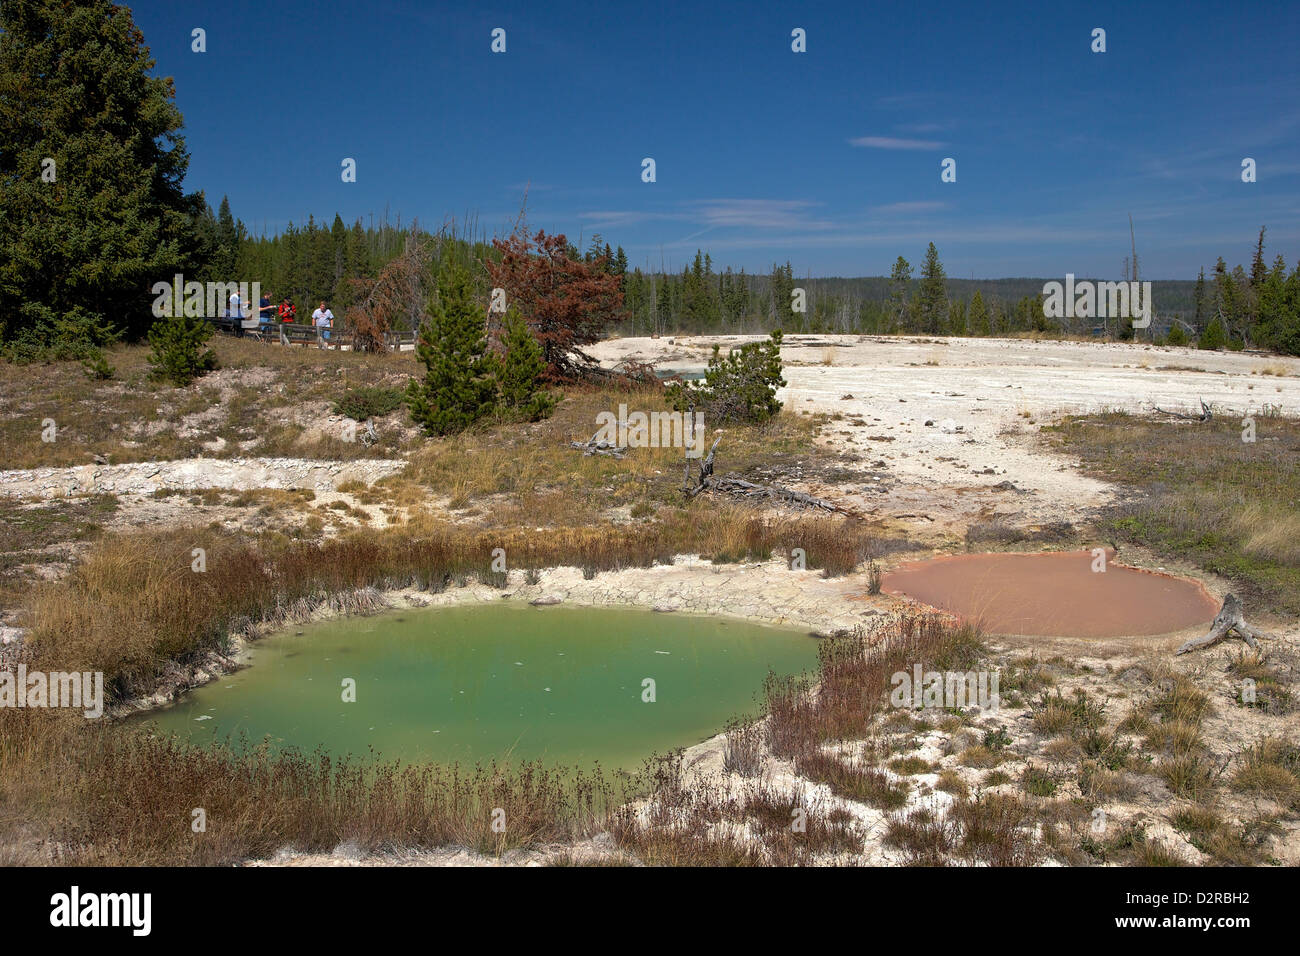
point(566, 301)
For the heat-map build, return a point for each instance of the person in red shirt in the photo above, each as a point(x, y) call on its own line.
point(287, 314)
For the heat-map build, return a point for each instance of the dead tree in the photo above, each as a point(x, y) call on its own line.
point(738, 487)
point(1205, 415)
point(593, 447)
point(1228, 619)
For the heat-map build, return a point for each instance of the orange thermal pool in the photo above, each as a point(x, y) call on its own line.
point(1057, 594)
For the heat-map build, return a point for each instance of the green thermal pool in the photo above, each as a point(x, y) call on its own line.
point(470, 684)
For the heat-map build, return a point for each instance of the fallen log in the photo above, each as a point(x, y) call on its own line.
point(593, 447)
point(1205, 415)
point(748, 489)
point(1229, 618)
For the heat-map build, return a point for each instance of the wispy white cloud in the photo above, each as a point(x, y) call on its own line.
point(911, 207)
point(895, 142)
point(719, 214)
point(759, 213)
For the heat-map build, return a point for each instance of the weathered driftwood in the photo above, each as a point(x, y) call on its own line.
point(593, 447)
point(748, 489)
point(1205, 415)
point(1228, 619)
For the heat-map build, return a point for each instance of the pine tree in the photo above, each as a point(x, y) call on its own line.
point(899, 279)
point(1213, 337)
point(979, 316)
point(1198, 295)
point(1279, 313)
point(1258, 268)
point(228, 237)
point(83, 240)
point(519, 372)
point(178, 355)
point(933, 305)
point(458, 388)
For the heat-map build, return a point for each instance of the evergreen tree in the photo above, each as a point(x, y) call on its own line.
point(1198, 296)
point(177, 353)
point(979, 316)
point(1214, 336)
point(933, 304)
point(1258, 269)
point(1242, 329)
point(1225, 298)
point(228, 238)
point(519, 372)
point(663, 304)
point(92, 212)
point(1279, 319)
point(782, 288)
point(957, 317)
point(899, 280)
point(458, 388)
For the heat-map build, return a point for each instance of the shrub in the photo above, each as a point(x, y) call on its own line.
point(97, 367)
point(1038, 782)
point(178, 355)
point(368, 401)
point(1213, 336)
point(741, 386)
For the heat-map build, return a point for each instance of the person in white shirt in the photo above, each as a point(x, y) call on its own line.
point(323, 319)
point(235, 313)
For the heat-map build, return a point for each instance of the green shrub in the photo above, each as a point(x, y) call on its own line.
point(1213, 336)
point(97, 367)
point(178, 355)
point(740, 387)
point(369, 401)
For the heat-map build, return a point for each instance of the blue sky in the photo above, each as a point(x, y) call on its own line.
point(829, 158)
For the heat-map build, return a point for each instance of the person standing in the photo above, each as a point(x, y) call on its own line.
point(236, 314)
point(287, 314)
point(323, 319)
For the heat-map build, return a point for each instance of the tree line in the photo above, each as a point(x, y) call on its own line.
point(93, 213)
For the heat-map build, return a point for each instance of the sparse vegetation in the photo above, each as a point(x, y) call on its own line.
point(1230, 508)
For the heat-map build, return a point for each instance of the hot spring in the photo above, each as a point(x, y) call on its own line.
point(1055, 594)
point(566, 685)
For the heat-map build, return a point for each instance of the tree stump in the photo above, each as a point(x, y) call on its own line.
point(1229, 618)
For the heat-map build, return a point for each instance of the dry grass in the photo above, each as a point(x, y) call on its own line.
point(1271, 768)
point(124, 797)
point(1230, 506)
point(268, 399)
